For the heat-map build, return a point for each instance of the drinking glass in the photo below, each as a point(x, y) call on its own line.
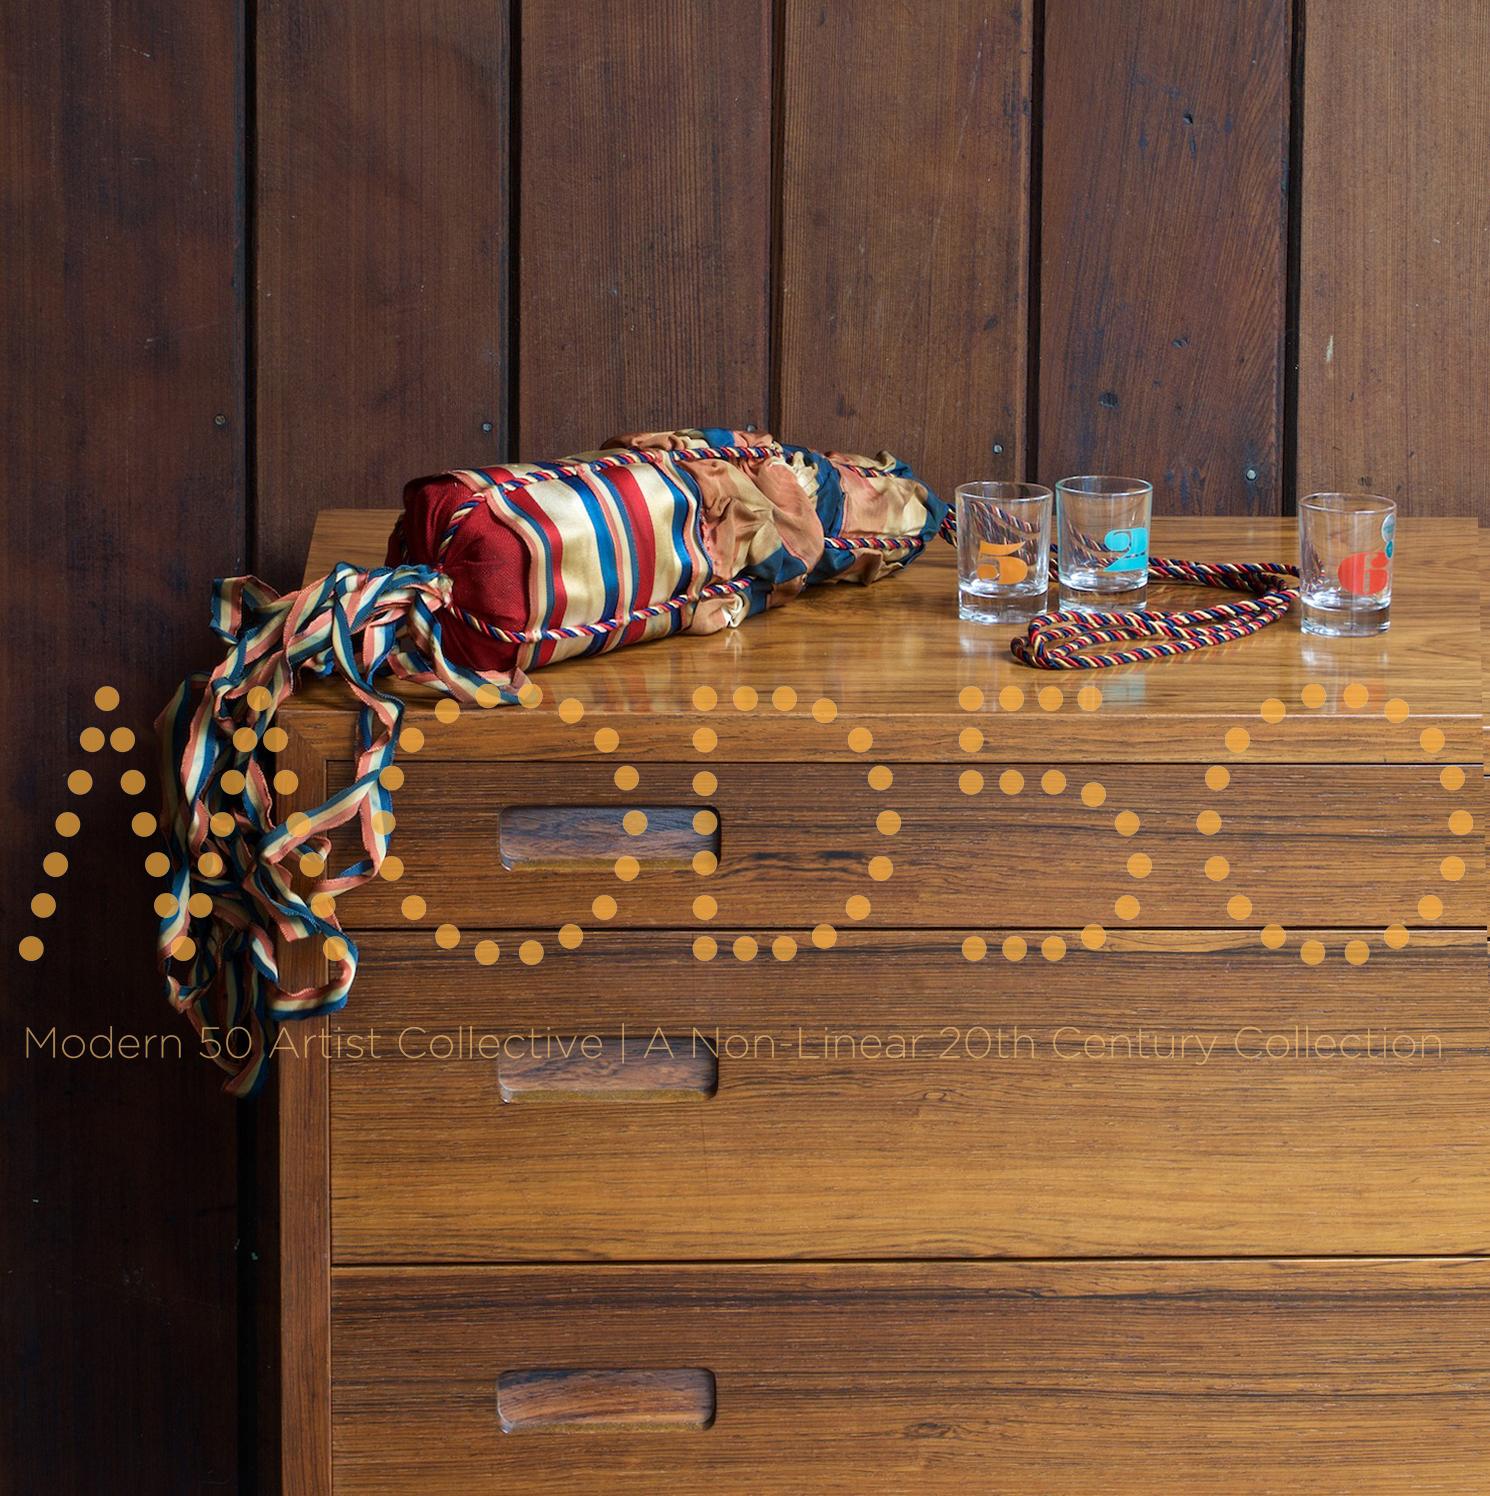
point(1003, 551)
point(1346, 542)
point(1104, 533)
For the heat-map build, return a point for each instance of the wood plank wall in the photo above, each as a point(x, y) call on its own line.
point(265, 258)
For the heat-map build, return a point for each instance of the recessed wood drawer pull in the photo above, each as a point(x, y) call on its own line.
point(572, 1068)
point(553, 1397)
point(546, 838)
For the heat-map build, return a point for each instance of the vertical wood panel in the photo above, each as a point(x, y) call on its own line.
point(382, 267)
point(904, 233)
point(645, 207)
point(121, 488)
point(1394, 340)
point(1163, 273)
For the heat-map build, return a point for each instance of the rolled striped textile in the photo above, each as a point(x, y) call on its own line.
point(491, 573)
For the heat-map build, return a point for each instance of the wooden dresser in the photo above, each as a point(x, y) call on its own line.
point(1100, 1095)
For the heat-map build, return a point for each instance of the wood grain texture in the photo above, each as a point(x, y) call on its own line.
point(1049, 845)
point(905, 232)
point(1394, 335)
point(1162, 275)
point(1309, 1376)
point(894, 659)
point(645, 219)
point(890, 1098)
point(121, 426)
point(382, 202)
point(554, 1398)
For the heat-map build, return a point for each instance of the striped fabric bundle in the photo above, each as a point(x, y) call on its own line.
point(491, 573)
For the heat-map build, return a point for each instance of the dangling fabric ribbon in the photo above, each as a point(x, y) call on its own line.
point(229, 891)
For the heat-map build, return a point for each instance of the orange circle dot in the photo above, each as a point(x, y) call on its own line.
point(1208, 823)
point(626, 777)
point(199, 905)
point(183, 948)
point(881, 777)
point(887, 822)
point(1272, 710)
point(1011, 698)
point(530, 953)
point(571, 710)
point(1239, 906)
point(746, 698)
point(1311, 952)
point(1273, 936)
point(1126, 823)
point(635, 822)
point(43, 905)
point(530, 694)
point(391, 869)
point(604, 907)
point(209, 864)
point(1011, 781)
point(970, 782)
point(970, 698)
point(856, 906)
point(1053, 782)
point(861, 740)
point(90, 740)
point(1396, 710)
point(411, 740)
point(1452, 869)
point(413, 907)
point(1461, 823)
point(627, 868)
point(1015, 948)
point(970, 740)
point(1217, 777)
point(1431, 739)
point(1395, 936)
point(31, 948)
point(233, 782)
point(489, 695)
point(1430, 906)
point(705, 907)
point(276, 740)
point(783, 698)
point(705, 948)
point(705, 698)
point(1357, 952)
point(705, 822)
point(745, 948)
point(824, 710)
point(1093, 937)
point(1451, 777)
point(68, 824)
point(391, 778)
point(487, 952)
point(286, 782)
point(1053, 948)
point(824, 937)
point(245, 739)
point(783, 947)
point(1217, 869)
point(704, 863)
point(1051, 698)
point(132, 782)
point(1093, 795)
point(571, 937)
point(221, 824)
point(166, 905)
point(157, 864)
point(121, 740)
point(1089, 698)
point(1238, 739)
point(260, 699)
point(705, 739)
point(1140, 865)
point(704, 783)
point(1355, 695)
point(335, 948)
point(606, 740)
point(384, 822)
point(974, 948)
point(880, 868)
point(1313, 696)
point(106, 698)
point(1125, 906)
point(323, 905)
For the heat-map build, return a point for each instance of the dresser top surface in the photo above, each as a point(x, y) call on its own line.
point(894, 658)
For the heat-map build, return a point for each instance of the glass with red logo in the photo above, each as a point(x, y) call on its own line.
point(1346, 542)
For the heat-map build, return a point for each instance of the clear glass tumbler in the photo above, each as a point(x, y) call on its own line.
point(1346, 542)
point(1104, 534)
point(1003, 551)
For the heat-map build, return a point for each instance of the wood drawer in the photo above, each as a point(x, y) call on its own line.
point(829, 1148)
point(1306, 844)
point(1312, 1376)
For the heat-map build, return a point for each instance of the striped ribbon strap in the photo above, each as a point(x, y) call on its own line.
point(231, 855)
